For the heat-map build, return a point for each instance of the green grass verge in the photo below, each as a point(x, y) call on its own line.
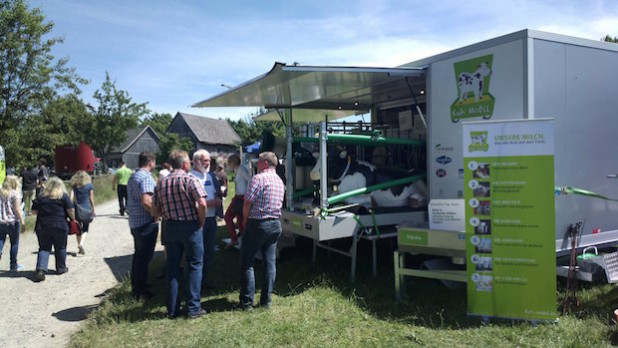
point(318, 306)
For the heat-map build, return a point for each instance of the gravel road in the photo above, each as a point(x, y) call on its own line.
point(46, 314)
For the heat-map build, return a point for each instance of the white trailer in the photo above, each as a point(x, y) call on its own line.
point(523, 75)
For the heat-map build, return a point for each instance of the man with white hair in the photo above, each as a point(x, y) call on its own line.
point(201, 171)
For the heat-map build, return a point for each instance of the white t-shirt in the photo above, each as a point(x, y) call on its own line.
point(163, 173)
point(241, 180)
point(7, 213)
point(206, 182)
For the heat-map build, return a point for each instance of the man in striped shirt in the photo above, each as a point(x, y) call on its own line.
point(144, 228)
point(261, 212)
point(181, 200)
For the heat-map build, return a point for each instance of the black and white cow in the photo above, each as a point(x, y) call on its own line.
point(468, 82)
point(352, 174)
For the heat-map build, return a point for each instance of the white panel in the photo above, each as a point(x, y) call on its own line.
point(578, 86)
point(506, 86)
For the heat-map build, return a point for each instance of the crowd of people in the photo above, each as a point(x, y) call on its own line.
point(184, 202)
point(34, 192)
point(188, 201)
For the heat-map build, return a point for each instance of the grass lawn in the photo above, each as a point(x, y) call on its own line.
point(316, 305)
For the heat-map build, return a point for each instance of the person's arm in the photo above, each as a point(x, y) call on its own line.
point(17, 210)
point(246, 208)
point(68, 206)
point(114, 182)
point(201, 211)
point(155, 211)
point(71, 195)
point(147, 201)
point(91, 197)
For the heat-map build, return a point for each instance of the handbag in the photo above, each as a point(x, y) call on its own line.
point(83, 214)
point(74, 227)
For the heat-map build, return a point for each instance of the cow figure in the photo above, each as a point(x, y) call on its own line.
point(479, 139)
point(468, 82)
point(352, 174)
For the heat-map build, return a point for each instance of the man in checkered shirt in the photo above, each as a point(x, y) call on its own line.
point(181, 200)
point(144, 228)
point(261, 212)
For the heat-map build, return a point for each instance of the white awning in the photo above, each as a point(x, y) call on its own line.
point(340, 91)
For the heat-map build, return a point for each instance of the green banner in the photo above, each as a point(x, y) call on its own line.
point(510, 219)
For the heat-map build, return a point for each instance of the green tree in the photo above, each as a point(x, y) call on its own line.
point(158, 122)
point(608, 38)
point(62, 121)
point(29, 73)
point(115, 114)
point(170, 142)
point(250, 131)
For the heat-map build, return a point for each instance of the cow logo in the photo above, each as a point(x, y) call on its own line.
point(440, 173)
point(478, 141)
point(444, 160)
point(473, 97)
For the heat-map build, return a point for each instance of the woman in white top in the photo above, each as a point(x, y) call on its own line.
point(11, 217)
point(241, 180)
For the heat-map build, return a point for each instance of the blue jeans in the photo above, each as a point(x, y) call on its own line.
point(48, 237)
point(144, 240)
point(184, 236)
point(259, 235)
point(210, 239)
point(13, 231)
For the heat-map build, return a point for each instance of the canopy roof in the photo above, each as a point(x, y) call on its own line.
point(317, 91)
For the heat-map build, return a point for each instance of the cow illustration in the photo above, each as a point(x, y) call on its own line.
point(468, 82)
point(352, 174)
point(479, 139)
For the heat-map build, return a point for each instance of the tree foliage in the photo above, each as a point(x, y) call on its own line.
point(62, 121)
point(115, 114)
point(30, 76)
point(170, 142)
point(608, 38)
point(158, 122)
point(250, 131)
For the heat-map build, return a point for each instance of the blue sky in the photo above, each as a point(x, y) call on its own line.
point(172, 54)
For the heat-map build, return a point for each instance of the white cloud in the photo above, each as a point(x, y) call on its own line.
point(173, 54)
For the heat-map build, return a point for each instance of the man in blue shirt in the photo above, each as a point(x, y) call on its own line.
point(144, 228)
point(210, 183)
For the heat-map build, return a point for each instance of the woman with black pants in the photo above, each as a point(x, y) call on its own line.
point(53, 207)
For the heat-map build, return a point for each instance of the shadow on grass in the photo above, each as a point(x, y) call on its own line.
point(74, 313)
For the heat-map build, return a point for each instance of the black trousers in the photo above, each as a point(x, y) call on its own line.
point(122, 198)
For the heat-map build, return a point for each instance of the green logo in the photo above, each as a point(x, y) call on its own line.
point(473, 97)
point(413, 237)
point(478, 141)
point(297, 223)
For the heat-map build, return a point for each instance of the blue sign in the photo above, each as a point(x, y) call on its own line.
point(444, 159)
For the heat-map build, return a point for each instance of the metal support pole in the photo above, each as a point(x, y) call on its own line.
point(289, 158)
point(315, 251)
point(375, 256)
point(355, 239)
point(323, 169)
point(396, 269)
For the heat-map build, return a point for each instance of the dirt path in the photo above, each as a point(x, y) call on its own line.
point(46, 314)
